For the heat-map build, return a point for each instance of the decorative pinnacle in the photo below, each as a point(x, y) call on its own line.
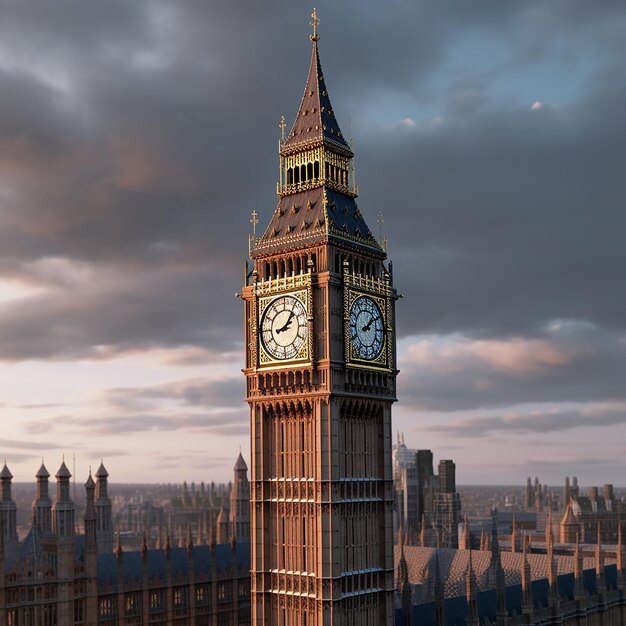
point(316, 20)
point(282, 127)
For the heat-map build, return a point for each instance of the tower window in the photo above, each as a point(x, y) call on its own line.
point(303, 173)
point(309, 171)
point(290, 176)
point(316, 169)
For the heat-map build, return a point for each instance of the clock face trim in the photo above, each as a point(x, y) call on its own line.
point(367, 330)
point(284, 328)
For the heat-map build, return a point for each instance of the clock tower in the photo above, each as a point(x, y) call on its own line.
point(320, 381)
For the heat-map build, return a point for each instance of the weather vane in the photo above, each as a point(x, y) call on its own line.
point(314, 23)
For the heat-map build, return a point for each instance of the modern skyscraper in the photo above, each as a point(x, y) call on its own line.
point(447, 506)
point(320, 375)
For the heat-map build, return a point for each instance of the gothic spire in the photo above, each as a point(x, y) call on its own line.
point(471, 593)
point(599, 555)
point(316, 187)
point(526, 576)
point(315, 123)
point(579, 589)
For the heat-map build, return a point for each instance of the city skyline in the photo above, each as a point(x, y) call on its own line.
point(137, 139)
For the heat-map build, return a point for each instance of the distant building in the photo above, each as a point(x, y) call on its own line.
point(427, 505)
point(447, 506)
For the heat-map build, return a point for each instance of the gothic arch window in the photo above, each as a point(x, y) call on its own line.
point(290, 176)
point(316, 169)
point(309, 171)
point(303, 173)
point(296, 175)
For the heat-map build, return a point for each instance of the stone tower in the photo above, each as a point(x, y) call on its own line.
point(42, 505)
point(105, 531)
point(240, 502)
point(63, 528)
point(8, 512)
point(320, 381)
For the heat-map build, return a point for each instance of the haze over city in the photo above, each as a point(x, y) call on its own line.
point(136, 138)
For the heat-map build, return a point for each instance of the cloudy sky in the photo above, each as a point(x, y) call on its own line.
point(136, 137)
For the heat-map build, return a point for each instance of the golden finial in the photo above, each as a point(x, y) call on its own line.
point(252, 238)
point(282, 127)
point(254, 221)
point(316, 20)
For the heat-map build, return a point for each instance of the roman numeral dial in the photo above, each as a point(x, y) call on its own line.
point(367, 328)
point(284, 329)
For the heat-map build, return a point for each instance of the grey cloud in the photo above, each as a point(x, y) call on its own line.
point(206, 393)
point(593, 370)
point(149, 133)
point(12, 444)
point(218, 423)
point(539, 422)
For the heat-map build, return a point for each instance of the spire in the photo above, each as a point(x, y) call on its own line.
point(42, 472)
point(144, 545)
point(513, 536)
point(240, 464)
point(526, 577)
point(118, 548)
point(619, 558)
point(168, 545)
point(549, 534)
point(316, 122)
point(439, 593)
point(496, 567)
point(465, 538)
point(599, 556)
point(552, 570)
point(579, 589)
point(189, 545)
point(315, 187)
point(471, 594)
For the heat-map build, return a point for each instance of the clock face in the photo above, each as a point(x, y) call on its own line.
point(284, 328)
point(366, 328)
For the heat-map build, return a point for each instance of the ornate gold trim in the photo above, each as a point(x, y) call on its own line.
point(266, 360)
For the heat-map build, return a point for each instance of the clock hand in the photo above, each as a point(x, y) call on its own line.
point(369, 324)
point(287, 324)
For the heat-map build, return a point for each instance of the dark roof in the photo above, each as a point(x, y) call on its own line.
point(240, 464)
point(313, 216)
point(63, 472)
point(42, 472)
point(316, 121)
point(156, 562)
point(455, 609)
point(102, 471)
point(6, 473)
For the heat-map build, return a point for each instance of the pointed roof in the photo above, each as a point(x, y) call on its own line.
point(102, 471)
point(240, 464)
point(63, 472)
point(315, 122)
point(42, 472)
point(90, 484)
point(5, 474)
point(569, 519)
point(315, 216)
